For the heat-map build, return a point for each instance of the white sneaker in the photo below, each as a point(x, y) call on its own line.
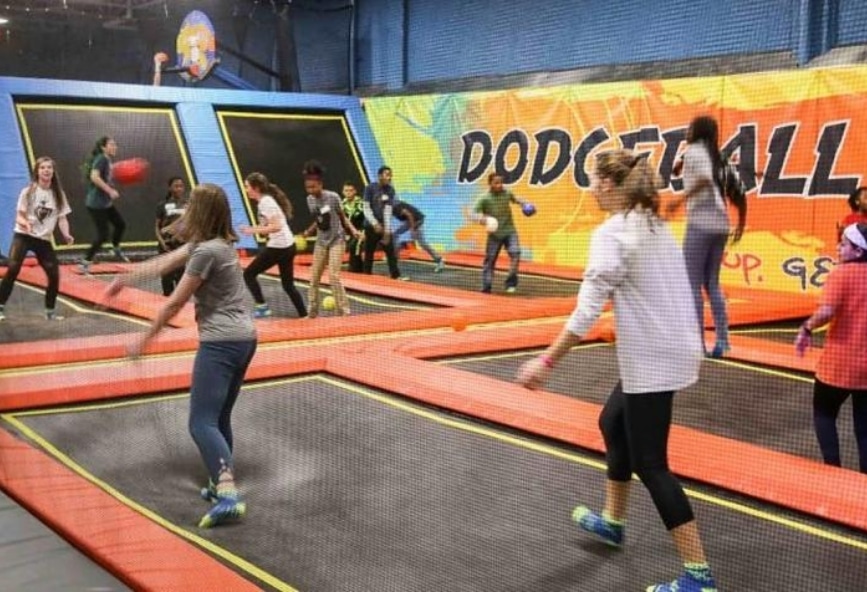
point(441, 264)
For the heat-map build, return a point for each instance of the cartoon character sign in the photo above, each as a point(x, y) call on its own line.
point(196, 46)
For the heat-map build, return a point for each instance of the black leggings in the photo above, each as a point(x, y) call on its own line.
point(635, 428)
point(45, 255)
point(827, 401)
point(102, 218)
point(284, 259)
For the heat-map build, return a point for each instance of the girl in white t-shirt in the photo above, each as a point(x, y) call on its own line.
point(42, 207)
point(635, 262)
point(275, 211)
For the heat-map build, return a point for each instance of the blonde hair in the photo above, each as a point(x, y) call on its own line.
point(633, 174)
point(208, 215)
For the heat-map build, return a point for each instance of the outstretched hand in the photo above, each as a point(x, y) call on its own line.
point(533, 374)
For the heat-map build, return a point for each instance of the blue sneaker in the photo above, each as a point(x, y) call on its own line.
point(262, 311)
point(610, 533)
point(225, 510)
point(685, 583)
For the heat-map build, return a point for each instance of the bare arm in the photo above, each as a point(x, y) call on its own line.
point(63, 224)
point(822, 316)
point(180, 296)
point(97, 180)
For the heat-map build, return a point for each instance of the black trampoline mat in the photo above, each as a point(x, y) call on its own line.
point(768, 408)
point(278, 301)
point(470, 279)
point(25, 318)
point(351, 489)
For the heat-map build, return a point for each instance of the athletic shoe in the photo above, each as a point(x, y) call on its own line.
point(119, 254)
point(2, 314)
point(441, 264)
point(51, 315)
point(225, 510)
point(402, 278)
point(610, 533)
point(685, 583)
point(261, 311)
point(511, 290)
point(209, 493)
point(84, 266)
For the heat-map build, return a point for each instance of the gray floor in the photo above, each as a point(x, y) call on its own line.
point(349, 489)
point(34, 558)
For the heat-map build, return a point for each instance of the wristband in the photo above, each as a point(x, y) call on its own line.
point(547, 360)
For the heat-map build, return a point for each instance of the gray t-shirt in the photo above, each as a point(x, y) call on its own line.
point(222, 310)
point(705, 209)
point(325, 209)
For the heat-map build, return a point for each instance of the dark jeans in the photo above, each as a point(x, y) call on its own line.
point(635, 429)
point(170, 280)
point(45, 255)
point(284, 259)
point(372, 240)
point(102, 219)
point(218, 373)
point(356, 255)
point(827, 401)
point(492, 251)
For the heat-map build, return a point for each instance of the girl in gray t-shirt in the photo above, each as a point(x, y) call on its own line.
point(227, 336)
point(330, 226)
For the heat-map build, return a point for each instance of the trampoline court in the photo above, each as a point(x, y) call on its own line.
point(390, 451)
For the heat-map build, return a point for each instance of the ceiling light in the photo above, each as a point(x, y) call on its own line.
point(3, 21)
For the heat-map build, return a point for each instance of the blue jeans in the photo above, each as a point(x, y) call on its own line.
point(218, 373)
point(703, 252)
point(492, 251)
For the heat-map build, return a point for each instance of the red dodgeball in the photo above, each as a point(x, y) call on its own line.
point(130, 171)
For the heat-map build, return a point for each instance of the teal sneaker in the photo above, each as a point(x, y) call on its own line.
point(589, 521)
point(261, 311)
point(225, 510)
point(119, 254)
point(686, 583)
point(51, 315)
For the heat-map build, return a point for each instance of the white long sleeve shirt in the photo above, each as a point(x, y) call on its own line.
point(635, 260)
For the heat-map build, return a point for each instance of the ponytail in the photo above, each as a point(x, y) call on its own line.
point(634, 175)
point(95, 153)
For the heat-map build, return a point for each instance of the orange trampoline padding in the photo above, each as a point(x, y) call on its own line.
point(140, 552)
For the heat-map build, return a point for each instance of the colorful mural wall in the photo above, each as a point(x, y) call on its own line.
point(800, 138)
